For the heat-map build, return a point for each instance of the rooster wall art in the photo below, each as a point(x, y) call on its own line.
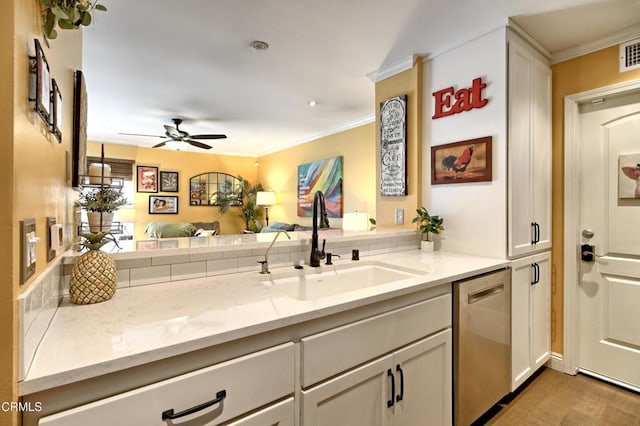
point(466, 161)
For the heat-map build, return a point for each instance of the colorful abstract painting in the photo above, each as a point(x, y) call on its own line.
point(322, 175)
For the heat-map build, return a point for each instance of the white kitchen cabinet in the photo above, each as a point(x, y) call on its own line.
point(411, 386)
point(529, 149)
point(530, 316)
point(210, 396)
point(336, 350)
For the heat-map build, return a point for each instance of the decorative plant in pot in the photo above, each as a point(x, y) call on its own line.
point(93, 277)
point(67, 15)
point(428, 226)
point(247, 202)
point(101, 203)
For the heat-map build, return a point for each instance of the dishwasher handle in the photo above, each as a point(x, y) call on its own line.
point(483, 294)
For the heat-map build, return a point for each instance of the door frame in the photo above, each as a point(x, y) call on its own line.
point(572, 212)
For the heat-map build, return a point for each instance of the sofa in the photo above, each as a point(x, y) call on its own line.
point(182, 229)
point(281, 226)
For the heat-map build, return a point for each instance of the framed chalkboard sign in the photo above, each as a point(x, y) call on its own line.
point(393, 146)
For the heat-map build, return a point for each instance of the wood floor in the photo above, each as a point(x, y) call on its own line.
point(554, 398)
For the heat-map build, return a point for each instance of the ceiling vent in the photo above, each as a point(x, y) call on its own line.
point(630, 55)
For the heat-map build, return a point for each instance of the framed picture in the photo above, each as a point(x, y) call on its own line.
point(393, 146)
point(460, 162)
point(159, 204)
point(40, 83)
point(322, 175)
point(168, 181)
point(56, 111)
point(79, 153)
point(147, 179)
point(629, 176)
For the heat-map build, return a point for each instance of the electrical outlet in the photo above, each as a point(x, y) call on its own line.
point(399, 216)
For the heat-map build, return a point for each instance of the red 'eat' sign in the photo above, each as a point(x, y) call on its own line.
point(449, 101)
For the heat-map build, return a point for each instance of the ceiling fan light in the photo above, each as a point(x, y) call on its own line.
point(176, 145)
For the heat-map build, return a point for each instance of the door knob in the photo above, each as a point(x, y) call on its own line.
point(587, 233)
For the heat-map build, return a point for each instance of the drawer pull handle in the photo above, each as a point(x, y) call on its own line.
point(401, 395)
point(392, 401)
point(536, 273)
point(482, 294)
point(170, 414)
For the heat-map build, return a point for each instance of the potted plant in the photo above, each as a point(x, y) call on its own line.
point(428, 226)
point(100, 203)
point(246, 201)
point(93, 277)
point(67, 15)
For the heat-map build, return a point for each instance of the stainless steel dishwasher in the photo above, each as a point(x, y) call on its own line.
point(482, 344)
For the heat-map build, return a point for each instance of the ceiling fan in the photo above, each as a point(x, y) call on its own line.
point(174, 134)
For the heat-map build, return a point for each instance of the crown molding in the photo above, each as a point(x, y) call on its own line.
point(517, 29)
point(393, 69)
point(622, 36)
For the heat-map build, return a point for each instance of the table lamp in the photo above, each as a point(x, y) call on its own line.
point(266, 199)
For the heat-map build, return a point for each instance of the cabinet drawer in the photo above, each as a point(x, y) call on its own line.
point(250, 382)
point(331, 352)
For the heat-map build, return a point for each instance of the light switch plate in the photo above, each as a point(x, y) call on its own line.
point(51, 250)
point(27, 246)
point(399, 216)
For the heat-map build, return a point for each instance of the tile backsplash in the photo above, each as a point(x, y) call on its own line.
point(36, 308)
point(157, 268)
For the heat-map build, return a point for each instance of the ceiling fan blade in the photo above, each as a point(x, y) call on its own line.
point(161, 144)
point(197, 144)
point(138, 134)
point(172, 131)
point(208, 136)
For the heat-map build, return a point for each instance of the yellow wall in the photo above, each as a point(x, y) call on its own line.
point(8, 320)
point(32, 165)
point(587, 72)
point(278, 172)
point(187, 164)
point(410, 83)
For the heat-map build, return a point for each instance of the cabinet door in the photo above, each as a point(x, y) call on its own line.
point(529, 166)
point(541, 140)
point(520, 169)
point(521, 279)
point(358, 397)
point(541, 312)
point(423, 382)
point(530, 316)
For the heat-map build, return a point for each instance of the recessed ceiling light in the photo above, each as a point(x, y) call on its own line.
point(259, 45)
point(312, 103)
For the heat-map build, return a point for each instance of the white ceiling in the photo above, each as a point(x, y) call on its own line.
point(147, 61)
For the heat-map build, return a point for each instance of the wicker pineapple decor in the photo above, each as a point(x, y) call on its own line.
point(93, 277)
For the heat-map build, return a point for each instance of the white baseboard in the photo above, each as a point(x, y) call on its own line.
point(556, 362)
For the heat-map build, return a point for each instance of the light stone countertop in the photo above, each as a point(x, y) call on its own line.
point(149, 323)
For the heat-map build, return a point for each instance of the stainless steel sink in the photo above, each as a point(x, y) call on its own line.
point(314, 283)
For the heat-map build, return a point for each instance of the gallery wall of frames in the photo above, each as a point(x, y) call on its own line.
point(44, 93)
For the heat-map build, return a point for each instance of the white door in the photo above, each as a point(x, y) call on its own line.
point(609, 288)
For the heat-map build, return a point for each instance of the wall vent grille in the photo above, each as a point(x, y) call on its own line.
point(630, 55)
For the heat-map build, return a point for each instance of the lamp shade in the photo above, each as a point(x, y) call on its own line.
point(265, 198)
point(356, 222)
